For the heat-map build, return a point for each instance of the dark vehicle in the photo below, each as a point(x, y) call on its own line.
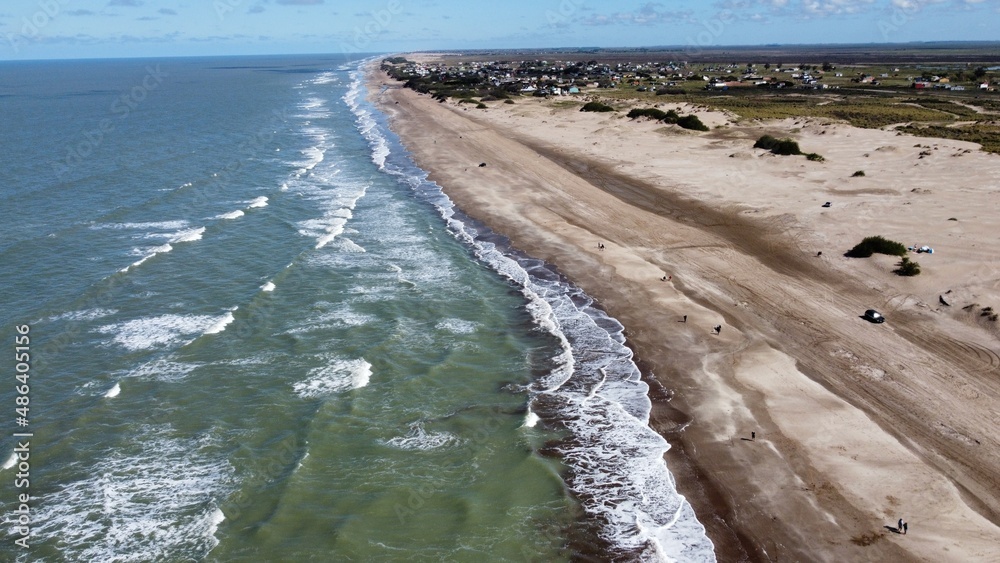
point(873, 316)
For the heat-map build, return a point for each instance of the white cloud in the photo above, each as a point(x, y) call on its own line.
point(835, 7)
point(648, 14)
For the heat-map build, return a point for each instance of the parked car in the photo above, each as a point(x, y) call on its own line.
point(873, 316)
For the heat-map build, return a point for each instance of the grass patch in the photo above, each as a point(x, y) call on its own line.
point(858, 174)
point(945, 106)
point(870, 112)
point(565, 104)
point(877, 244)
point(815, 157)
point(987, 135)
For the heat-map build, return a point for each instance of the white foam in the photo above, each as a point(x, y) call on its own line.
point(339, 376)
point(153, 497)
point(113, 392)
point(530, 419)
point(162, 249)
point(419, 439)
point(314, 155)
point(161, 369)
point(457, 326)
point(188, 235)
point(161, 225)
point(231, 215)
point(349, 245)
point(11, 461)
point(165, 330)
point(268, 287)
point(221, 324)
point(84, 315)
point(332, 232)
point(325, 78)
point(366, 122)
point(338, 317)
point(258, 202)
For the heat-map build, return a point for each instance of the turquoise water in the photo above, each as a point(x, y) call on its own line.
point(259, 334)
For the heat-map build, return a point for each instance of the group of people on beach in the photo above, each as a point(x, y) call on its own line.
point(901, 526)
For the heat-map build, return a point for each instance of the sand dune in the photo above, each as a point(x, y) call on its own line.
point(856, 424)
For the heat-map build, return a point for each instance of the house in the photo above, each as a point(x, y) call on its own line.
point(984, 86)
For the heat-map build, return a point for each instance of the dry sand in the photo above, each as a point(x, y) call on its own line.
point(857, 424)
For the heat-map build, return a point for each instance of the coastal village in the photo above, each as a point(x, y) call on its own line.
point(558, 78)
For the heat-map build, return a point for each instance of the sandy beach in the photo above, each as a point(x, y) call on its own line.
point(856, 424)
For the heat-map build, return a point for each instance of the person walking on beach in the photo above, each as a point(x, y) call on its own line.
point(753, 435)
point(899, 525)
point(685, 318)
point(905, 526)
point(717, 329)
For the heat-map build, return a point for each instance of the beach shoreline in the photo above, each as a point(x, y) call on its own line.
point(834, 460)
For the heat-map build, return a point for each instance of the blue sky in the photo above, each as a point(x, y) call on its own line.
point(40, 29)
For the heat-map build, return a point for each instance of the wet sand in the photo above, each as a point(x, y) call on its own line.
point(857, 424)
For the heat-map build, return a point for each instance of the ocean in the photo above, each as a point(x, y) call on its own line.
point(242, 325)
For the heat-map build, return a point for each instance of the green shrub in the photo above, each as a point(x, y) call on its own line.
point(815, 157)
point(786, 147)
point(777, 146)
point(467, 101)
point(907, 267)
point(766, 142)
point(481, 106)
point(596, 106)
point(508, 101)
point(651, 113)
point(858, 174)
point(692, 122)
point(877, 244)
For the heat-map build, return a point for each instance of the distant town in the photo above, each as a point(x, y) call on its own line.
point(953, 99)
point(556, 78)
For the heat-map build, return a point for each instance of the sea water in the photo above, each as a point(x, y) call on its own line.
point(258, 333)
